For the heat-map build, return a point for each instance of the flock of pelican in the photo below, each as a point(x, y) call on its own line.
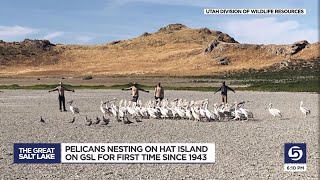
point(126, 111)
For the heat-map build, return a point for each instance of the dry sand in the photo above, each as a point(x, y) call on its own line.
point(244, 150)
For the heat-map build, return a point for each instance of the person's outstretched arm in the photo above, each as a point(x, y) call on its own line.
point(217, 90)
point(55, 89)
point(231, 89)
point(144, 90)
point(68, 89)
point(126, 89)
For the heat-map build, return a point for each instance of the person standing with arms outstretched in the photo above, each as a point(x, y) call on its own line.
point(224, 92)
point(61, 97)
point(135, 91)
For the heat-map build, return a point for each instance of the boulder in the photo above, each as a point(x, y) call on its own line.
point(172, 27)
point(297, 46)
point(223, 60)
point(145, 34)
point(211, 46)
point(204, 31)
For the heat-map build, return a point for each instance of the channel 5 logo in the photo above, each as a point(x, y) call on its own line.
point(295, 153)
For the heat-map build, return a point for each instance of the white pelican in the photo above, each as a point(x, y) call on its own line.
point(219, 114)
point(103, 109)
point(74, 110)
point(304, 110)
point(275, 112)
point(237, 113)
point(248, 114)
point(196, 115)
point(181, 113)
point(210, 115)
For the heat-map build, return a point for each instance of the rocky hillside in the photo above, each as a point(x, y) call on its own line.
point(28, 52)
point(174, 50)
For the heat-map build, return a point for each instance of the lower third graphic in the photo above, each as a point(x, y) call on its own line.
point(295, 157)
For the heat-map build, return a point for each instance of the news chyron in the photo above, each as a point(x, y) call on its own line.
point(115, 153)
point(295, 157)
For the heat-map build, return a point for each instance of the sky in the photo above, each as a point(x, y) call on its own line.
point(90, 22)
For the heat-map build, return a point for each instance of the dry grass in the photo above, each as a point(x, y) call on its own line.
point(168, 53)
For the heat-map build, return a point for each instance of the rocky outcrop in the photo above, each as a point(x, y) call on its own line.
point(172, 27)
point(35, 52)
point(42, 44)
point(220, 36)
point(211, 46)
point(115, 42)
point(223, 60)
point(297, 46)
point(277, 50)
point(145, 34)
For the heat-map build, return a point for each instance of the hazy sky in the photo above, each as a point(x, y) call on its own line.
point(102, 21)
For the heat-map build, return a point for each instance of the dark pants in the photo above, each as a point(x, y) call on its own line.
point(158, 98)
point(62, 101)
point(135, 98)
point(224, 98)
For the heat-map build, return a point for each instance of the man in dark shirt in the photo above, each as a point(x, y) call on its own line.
point(224, 92)
point(135, 91)
point(62, 99)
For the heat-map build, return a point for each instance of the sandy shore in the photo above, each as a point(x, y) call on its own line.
point(244, 150)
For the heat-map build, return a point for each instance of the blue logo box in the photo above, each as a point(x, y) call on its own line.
point(37, 153)
point(295, 153)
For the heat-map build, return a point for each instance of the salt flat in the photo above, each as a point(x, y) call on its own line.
point(244, 150)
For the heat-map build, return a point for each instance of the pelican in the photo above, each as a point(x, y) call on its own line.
point(105, 121)
point(103, 109)
point(189, 113)
point(89, 121)
point(248, 114)
point(97, 120)
point(275, 112)
point(42, 120)
point(202, 113)
point(210, 115)
point(237, 113)
point(304, 110)
point(127, 122)
point(74, 110)
point(180, 112)
point(196, 115)
point(73, 119)
point(218, 114)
